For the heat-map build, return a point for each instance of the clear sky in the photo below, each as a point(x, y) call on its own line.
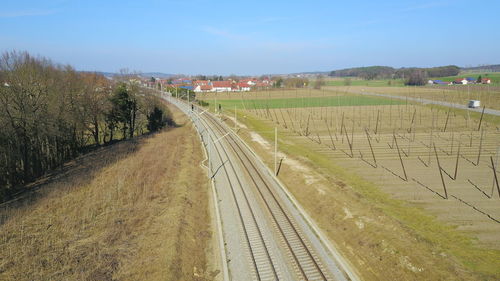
point(252, 37)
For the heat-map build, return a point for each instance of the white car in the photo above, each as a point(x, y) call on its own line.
point(474, 104)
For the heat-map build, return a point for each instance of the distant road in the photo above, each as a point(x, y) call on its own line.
point(427, 101)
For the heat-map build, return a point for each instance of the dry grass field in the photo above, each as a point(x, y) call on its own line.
point(136, 210)
point(370, 176)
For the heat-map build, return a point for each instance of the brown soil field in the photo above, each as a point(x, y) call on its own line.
point(135, 210)
point(370, 139)
point(390, 225)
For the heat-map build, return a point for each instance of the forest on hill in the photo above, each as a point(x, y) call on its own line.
point(50, 113)
point(387, 72)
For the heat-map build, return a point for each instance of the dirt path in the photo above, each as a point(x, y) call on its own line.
point(141, 216)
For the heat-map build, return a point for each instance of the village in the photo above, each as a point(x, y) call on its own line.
point(462, 81)
point(199, 86)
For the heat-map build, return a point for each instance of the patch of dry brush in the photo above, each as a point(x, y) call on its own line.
point(142, 216)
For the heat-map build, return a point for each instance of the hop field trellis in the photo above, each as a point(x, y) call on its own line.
point(442, 158)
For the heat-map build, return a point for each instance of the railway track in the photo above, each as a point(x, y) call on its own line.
point(305, 263)
point(277, 247)
point(260, 255)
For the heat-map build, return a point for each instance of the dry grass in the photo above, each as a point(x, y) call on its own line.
point(384, 238)
point(135, 211)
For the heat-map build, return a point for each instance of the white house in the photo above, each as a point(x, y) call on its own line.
point(203, 88)
point(222, 86)
point(486, 80)
point(462, 81)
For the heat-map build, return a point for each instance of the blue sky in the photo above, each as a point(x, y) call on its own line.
point(252, 37)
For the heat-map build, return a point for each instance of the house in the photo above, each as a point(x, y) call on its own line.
point(203, 88)
point(222, 86)
point(461, 81)
point(250, 82)
point(201, 82)
point(485, 81)
point(261, 85)
point(243, 86)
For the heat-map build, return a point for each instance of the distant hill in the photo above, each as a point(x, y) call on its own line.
point(157, 75)
point(369, 72)
point(482, 68)
point(145, 75)
point(387, 72)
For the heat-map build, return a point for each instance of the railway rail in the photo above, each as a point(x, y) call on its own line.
point(306, 264)
point(277, 246)
point(262, 262)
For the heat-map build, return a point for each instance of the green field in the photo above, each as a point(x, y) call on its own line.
point(304, 102)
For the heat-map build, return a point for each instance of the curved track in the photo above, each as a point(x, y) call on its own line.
point(277, 242)
point(306, 264)
point(262, 262)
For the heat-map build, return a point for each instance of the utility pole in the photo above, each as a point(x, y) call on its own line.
point(275, 151)
point(235, 120)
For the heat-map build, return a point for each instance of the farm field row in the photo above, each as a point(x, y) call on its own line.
point(441, 161)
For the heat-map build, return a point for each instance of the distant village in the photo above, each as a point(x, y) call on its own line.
point(199, 86)
point(462, 81)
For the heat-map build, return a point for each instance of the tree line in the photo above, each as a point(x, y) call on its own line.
point(50, 113)
point(386, 72)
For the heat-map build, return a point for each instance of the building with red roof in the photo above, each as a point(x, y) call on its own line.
point(222, 86)
point(203, 88)
point(485, 80)
point(243, 86)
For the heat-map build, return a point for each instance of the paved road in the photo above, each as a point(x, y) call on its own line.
point(266, 235)
point(427, 101)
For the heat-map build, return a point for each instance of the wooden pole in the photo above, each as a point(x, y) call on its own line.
point(480, 147)
point(456, 164)
point(446, 123)
point(400, 158)
point(440, 172)
point(329, 132)
point(275, 151)
point(371, 148)
point(481, 120)
point(495, 176)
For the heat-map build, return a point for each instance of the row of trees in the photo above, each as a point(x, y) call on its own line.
point(50, 113)
point(368, 73)
point(386, 72)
